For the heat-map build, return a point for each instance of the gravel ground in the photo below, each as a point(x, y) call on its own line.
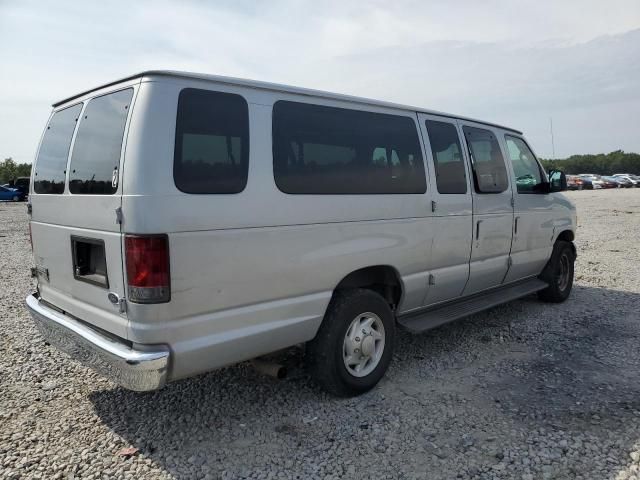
point(526, 390)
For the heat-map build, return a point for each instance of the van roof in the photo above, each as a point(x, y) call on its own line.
point(277, 87)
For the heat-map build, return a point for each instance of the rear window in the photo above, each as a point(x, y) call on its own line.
point(51, 164)
point(327, 150)
point(212, 142)
point(96, 152)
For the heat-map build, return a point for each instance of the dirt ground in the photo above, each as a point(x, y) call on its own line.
point(526, 390)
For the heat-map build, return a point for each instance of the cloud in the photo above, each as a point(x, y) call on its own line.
point(516, 63)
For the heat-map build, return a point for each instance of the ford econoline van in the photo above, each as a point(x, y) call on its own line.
point(182, 222)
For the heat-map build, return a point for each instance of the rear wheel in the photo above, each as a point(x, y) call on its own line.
point(558, 273)
point(354, 344)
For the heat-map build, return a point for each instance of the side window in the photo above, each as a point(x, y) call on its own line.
point(489, 171)
point(211, 152)
point(447, 157)
point(96, 152)
point(327, 150)
point(525, 166)
point(51, 164)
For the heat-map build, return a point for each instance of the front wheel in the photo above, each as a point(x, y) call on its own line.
point(354, 345)
point(558, 273)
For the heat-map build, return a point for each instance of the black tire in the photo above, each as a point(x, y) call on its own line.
point(558, 273)
point(325, 352)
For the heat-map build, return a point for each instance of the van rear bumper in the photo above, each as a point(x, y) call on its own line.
point(134, 369)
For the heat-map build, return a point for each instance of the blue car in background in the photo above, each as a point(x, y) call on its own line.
point(11, 194)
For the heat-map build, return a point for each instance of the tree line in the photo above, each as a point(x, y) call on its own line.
point(10, 170)
point(600, 164)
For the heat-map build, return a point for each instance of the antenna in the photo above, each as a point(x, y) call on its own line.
point(553, 147)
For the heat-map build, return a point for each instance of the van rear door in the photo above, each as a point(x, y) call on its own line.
point(75, 203)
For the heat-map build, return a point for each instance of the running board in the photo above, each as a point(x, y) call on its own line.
point(453, 310)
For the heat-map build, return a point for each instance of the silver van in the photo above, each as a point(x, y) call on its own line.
point(182, 222)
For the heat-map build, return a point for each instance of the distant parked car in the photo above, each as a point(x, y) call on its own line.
point(632, 178)
point(610, 182)
point(591, 181)
point(12, 194)
point(22, 184)
point(623, 182)
point(574, 182)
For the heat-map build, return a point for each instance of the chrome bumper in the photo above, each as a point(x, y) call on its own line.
point(139, 370)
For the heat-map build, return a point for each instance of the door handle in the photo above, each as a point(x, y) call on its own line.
point(515, 227)
point(478, 229)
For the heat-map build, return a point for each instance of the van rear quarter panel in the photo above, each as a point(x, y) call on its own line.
point(254, 272)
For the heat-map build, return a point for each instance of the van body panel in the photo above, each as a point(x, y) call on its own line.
point(490, 252)
point(208, 341)
point(492, 230)
point(88, 212)
point(111, 321)
point(198, 355)
point(149, 183)
point(279, 263)
point(533, 237)
point(52, 246)
point(533, 230)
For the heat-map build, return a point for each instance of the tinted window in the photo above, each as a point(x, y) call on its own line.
point(212, 142)
point(525, 166)
point(489, 172)
point(325, 150)
point(96, 152)
point(447, 157)
point(51, 164)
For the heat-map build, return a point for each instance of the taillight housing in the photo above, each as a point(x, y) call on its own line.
point(147, 261)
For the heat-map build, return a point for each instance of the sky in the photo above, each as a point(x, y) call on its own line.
point(514, 62)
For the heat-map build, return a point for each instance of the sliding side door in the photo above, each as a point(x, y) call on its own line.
point(451, 207)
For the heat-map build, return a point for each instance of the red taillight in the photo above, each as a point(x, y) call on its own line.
point(147, 259)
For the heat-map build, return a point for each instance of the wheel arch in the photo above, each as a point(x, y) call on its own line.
point(567, 236)
point(382, 279)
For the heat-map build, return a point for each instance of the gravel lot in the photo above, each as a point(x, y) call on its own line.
point(526, 390)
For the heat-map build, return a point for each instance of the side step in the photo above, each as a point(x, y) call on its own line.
point(429, 318)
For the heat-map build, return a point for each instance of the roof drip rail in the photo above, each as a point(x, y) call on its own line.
point(280, 88)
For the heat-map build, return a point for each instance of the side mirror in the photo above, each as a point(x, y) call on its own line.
point(557, 181)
